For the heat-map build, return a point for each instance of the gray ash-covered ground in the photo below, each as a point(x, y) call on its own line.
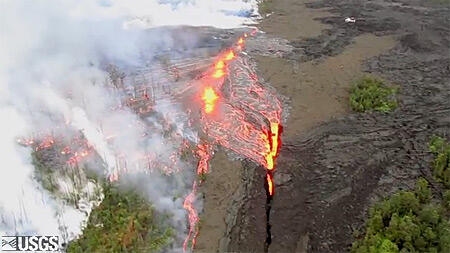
point(327, 178)
point(422, 25)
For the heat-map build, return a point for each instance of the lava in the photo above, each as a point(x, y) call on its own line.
point(229, 56)
point(240, 41)
point(250, 116)
point(248, 123)
point(269, 184)
point(193, 218)
point(218, 73)
point(209, 98)
point(248, 105)
point(219, 65)
point(272, 146)
point(204, 153)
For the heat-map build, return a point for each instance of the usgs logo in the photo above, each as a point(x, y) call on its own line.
point(30, 243)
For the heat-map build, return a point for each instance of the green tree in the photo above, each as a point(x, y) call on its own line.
point(422, 190)
point(370, 94)
point(123, 222)
point(408, 221)
point(441, 164)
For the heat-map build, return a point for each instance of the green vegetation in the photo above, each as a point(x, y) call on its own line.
point(52, 171)
point(43, 173)
point(370, 94)
point(408, 221)
point(265, 7)
point(441, 164)
point(412, 221)
point(123, 222)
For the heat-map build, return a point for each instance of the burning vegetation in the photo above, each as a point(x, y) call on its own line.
point(226, 104)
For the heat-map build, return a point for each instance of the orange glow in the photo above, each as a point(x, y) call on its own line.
point(218, 73)
point(274, 129)
point(272, 145)
point(270, 184)
point(245, 35)
point(209, 97)
point(220, 65)
point(269, 160)
point(229, 56)
point(241, 41)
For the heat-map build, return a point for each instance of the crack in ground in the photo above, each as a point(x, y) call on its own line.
point(268, 208)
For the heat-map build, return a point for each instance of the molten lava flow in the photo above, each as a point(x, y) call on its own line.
point(229, 56)
point(218, 73)
point(209, 98)
point(249, 106)
point(274, 129)
point(269, 184)
point(204, 153)
point(193, 218)
point(240, 43)
point(248, 123)
point(219, 68)
point(274, 144)
point(219, 65)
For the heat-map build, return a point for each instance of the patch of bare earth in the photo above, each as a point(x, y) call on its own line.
point(318, 91)
point(218, 188)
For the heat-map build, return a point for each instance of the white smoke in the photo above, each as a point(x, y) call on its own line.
point(50, 57)
point(25, 207)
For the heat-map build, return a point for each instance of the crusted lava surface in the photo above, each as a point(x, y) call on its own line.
point(328, 177)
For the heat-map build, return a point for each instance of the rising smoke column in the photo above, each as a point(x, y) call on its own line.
point(60, 46)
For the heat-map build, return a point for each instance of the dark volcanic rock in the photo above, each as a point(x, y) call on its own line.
point(246, 220)
point(327, 180)
point(342, 167)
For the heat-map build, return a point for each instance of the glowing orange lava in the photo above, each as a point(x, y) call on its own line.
point(273, 147)
point(203, 152)
point(270, 184)
point(272, 144)
point(209, 97)
point(229, 56)
point(220, 64)
point(193, 218)
point(245, 108)
point(275, 130)
point(218, 73)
